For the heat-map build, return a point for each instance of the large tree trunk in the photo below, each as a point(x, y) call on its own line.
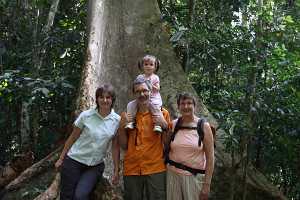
point(120, 32)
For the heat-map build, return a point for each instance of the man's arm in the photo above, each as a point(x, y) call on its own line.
point(122, 133)
point(163, 120)
point(166, 126)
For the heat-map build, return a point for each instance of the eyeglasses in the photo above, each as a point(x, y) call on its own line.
point(140, 92)
point(186, 103)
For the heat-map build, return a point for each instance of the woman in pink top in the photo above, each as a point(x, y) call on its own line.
point(190, 162)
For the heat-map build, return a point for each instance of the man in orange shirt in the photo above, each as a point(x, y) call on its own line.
point(144, 168)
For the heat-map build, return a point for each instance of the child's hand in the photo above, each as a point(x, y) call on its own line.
point(155, 87)
point(129, 117)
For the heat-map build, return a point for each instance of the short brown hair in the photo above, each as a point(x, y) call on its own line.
point(103, 89)
point(184, 96)
point(140, 80)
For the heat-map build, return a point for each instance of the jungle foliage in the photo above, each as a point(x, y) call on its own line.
point(40, 65)
point(243, 58)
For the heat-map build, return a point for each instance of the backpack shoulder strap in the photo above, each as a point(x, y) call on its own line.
point(167, 147)
point(200, 132)
point(176, 128)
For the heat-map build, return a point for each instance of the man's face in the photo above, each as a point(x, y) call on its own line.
point(142, 93)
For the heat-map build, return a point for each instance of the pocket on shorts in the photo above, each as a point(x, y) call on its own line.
point(200, 179)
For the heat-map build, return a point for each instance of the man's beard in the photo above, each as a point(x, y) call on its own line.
point(143, 100)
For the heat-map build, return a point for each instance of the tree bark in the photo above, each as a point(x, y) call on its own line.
point(250, 99)
point(51, 15)
point(34, 170)
point(46, 29)
point(191, 12)
point(34, 122)
point(36, 44)
point(52, 192)
point(160, 4)
point(25, 139)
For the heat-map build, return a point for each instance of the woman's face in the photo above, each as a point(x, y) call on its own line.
point(186, 107)
point(105, 101)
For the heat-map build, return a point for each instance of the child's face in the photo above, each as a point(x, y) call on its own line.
point(149, 67)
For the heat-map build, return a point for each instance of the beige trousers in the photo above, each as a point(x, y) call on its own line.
point(182, 187)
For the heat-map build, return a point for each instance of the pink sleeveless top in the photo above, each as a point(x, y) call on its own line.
point(185, 150)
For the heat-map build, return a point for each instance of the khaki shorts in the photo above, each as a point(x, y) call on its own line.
point(182, 187)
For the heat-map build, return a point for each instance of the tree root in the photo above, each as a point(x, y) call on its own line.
point(34, 170)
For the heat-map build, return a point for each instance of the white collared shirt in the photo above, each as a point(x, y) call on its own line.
point(96, 133)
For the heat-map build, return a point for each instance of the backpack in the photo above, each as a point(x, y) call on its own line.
point(199, 129)
point(200, 132)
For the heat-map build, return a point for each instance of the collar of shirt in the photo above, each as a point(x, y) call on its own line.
point(111, 115)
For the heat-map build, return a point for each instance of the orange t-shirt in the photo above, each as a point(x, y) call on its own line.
point(144, 154)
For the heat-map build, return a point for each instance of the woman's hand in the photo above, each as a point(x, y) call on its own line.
point(115, 178)
point(58, 164)
point(204, 192)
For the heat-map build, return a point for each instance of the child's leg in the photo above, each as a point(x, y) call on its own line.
point(131, 112)
point(156, 112)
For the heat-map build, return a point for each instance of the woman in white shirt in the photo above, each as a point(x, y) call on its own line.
point(81, 160)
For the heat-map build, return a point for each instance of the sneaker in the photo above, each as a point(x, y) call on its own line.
point(129, 125)
point(157, 129)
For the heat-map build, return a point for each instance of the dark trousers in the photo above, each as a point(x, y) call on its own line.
point(78, 180)
point(145, 187)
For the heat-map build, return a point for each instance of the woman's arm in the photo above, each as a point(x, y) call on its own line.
point(208, 145)
point(116, 159)
point(70, 141)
